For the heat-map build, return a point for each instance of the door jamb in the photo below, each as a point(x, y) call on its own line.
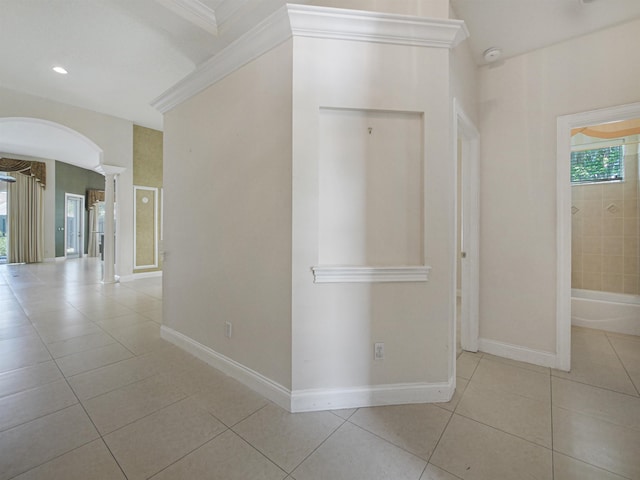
point(81, 197)
point(464, 129)
point(563, 188)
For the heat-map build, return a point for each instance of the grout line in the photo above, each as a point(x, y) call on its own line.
point(622, 363)
point(88, 416)
point(227, 429)
point(247, 416)
point(58, 456)
point(505, 432)
point(435, 447)
point(259, 452)
point(600, 387)
point(389, 441)
point(307, 456)
point(592, 465)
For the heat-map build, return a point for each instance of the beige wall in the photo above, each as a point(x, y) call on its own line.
point(227, 237)
point(243, 212)
point(335, 325)
point(604, 230)
point(520, 100)
point(147, 172)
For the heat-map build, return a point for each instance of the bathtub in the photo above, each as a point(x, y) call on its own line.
point(613, 312)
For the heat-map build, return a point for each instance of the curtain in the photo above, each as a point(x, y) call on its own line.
point(34, 169)
point(94, 196)
point(26, 220)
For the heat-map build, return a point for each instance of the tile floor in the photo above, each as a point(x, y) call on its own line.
point(88, 390)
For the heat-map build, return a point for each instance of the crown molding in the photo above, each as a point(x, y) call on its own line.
point(317, 22)
point(374, 27)
point(195, 12)
point(110, 169)
point(265, 36)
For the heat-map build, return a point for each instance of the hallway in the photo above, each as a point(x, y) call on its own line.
point(89, 390)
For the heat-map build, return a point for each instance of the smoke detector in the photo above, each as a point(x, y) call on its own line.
point(492, 54)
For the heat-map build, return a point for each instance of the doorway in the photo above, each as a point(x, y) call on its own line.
point(4, 231)
point(566, 124)
point(73, 225)
point(467, 153)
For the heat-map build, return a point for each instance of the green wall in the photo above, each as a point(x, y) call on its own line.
point(72, 179)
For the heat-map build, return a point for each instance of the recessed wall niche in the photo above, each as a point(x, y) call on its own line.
point(370, 188)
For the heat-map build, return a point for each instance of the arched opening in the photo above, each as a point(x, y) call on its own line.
point(28, 138)
point(40, 138)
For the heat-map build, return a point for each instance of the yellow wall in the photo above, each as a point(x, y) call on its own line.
point(147, 172)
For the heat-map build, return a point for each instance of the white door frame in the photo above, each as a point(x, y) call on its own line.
point(566, 123)
point(465, 130)
point(81, 223)
point(154, 193)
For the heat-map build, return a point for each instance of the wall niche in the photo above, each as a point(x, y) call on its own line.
point(370, 188)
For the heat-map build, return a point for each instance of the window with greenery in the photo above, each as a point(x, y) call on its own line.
point(597, 165)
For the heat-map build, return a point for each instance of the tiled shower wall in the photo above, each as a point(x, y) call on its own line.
point(605, 226)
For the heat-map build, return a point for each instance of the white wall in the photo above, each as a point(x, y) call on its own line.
point(336, 325)
point(521, 99)
point(227, 232)
point(113, 135)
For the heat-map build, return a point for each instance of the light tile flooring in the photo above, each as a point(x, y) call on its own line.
point(88, 390)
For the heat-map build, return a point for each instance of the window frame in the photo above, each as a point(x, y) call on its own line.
point(594, 181)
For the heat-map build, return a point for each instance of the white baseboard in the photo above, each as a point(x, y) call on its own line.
point(252, 379)
point(55, 259)
point(516, 352)
point(317, 399)
point(137, 276)
point(371, 396)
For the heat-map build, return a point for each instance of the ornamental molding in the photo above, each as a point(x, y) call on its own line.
point(316, 22)
point(374, 27)
point(195, 12)
point(339, 274)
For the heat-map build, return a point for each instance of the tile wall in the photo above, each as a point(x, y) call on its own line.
point(605, 249)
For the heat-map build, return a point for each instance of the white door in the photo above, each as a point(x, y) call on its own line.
point(74, 225)
point(468, 150)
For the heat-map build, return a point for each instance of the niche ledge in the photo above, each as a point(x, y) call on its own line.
point(337, 274)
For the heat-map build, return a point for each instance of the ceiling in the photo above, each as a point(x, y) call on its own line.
point(122, 54)
point(520, 26)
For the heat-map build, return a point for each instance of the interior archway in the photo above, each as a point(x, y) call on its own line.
point(40, 138)
point(26, 138)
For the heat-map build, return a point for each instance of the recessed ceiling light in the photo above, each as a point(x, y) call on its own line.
point(60, 70)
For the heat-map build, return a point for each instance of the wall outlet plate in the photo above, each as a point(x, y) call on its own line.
point(378, 351)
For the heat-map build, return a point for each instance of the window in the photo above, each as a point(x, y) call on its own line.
point(597, 165)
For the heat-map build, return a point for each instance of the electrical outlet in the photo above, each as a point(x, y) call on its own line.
point(378, 351)
point(228, 329)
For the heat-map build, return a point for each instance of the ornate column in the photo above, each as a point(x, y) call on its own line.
point(110, 173)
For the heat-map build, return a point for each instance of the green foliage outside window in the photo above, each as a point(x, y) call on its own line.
point(597, 165)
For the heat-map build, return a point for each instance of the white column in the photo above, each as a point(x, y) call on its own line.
point(110, 173)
